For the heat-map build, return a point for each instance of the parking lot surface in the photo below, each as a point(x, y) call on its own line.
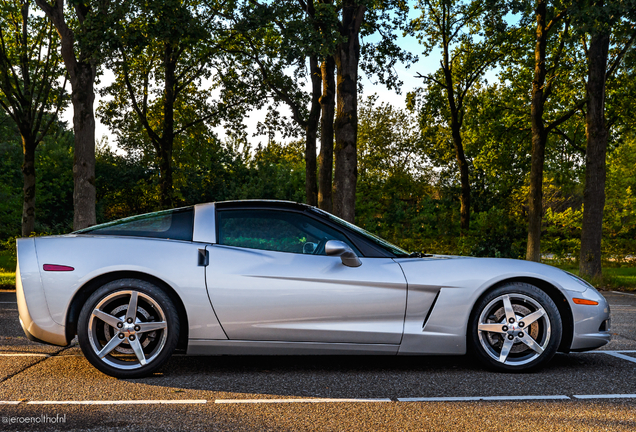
point(54, 388)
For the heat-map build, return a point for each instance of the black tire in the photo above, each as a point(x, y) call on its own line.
point(502, 340)
point(133, 348)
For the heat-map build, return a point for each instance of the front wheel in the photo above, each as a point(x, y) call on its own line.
point(128, 328)
point(516, 327)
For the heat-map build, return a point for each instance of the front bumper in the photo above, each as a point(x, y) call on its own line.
point(591, 323)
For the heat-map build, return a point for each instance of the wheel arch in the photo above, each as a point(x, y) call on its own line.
point(82, 294)
point(559, 299)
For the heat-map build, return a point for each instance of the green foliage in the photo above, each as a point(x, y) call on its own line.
point(125, 186)
point(54, 199)
point(31, 71)
point(497, 233)
point(276, 172)
point(563, 233)
point(54, 176)
point(393, 180)
point(10, 178)
point(620, 278)
point(7, 266)
point(619, 224)
point(614, 278)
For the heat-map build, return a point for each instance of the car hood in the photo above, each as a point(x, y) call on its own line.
point(460, 271)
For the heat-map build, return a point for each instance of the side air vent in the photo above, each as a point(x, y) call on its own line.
point(430, 310)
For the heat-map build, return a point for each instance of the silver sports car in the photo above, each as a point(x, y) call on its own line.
point(275, 277)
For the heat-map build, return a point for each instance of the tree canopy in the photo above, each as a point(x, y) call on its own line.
point(518, 140)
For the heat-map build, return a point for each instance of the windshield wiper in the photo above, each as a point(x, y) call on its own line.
point(419, 255)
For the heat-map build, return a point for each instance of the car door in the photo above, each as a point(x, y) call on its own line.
point(269, 279)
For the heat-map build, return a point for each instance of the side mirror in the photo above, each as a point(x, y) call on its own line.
point(346, 254)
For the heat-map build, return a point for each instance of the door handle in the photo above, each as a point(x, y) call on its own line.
point(204, 257)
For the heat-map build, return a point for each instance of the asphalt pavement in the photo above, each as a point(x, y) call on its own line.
point(44, 387)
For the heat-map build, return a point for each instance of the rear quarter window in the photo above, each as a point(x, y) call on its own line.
point(169, 224)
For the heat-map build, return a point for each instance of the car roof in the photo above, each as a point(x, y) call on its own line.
point(260, 203)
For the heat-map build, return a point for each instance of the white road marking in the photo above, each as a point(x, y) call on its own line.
point(302, 400)
point(615, 353)
point(328, 400)
point(484, 398)
point(606, 396)
point(621, 356)
point(120, 402)
point(24, 355)
point(618, 292)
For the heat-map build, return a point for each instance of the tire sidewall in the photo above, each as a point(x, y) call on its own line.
point(169, 310)
point(536, 294)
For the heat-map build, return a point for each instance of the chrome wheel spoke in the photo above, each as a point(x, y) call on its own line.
point(505, 350)
point(492, 328)
point(132, 307)
point(509, 311)
point(107, 318)
point(151, 326)
point(138, 349)
point(529, 319)
point(531, 343)
point(111, 345)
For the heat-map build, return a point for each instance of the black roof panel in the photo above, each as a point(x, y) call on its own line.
point(259, 203)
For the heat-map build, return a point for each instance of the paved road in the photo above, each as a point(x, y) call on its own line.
point(586, 391)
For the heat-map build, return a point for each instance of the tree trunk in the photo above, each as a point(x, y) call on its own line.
point(84, 195)
point(594, 192)
point(166, 142)
point(28, 174)
point(456, 125)
point(82, 73)
point(463, 176)
point(346, 124)
point(165, 175)
point(327, 105)
point(311, 186)
point(539, 138)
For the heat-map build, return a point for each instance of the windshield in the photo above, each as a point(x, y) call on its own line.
point(397, 251)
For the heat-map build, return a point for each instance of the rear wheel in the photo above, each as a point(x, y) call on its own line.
point(516, 327)
point(128, 328)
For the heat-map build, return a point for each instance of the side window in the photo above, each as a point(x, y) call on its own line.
point(276, 231)
point(169, 224)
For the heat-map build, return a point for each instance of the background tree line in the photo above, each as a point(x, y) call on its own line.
point(521, 143)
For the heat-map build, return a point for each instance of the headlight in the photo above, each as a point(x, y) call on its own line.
point(580, 280)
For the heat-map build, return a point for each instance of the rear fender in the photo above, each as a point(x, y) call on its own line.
point(35, 317)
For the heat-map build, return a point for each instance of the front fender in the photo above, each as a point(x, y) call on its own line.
point(443, 291)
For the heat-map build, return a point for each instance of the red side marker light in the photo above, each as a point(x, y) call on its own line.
point(55, 267)
point(584, 302)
